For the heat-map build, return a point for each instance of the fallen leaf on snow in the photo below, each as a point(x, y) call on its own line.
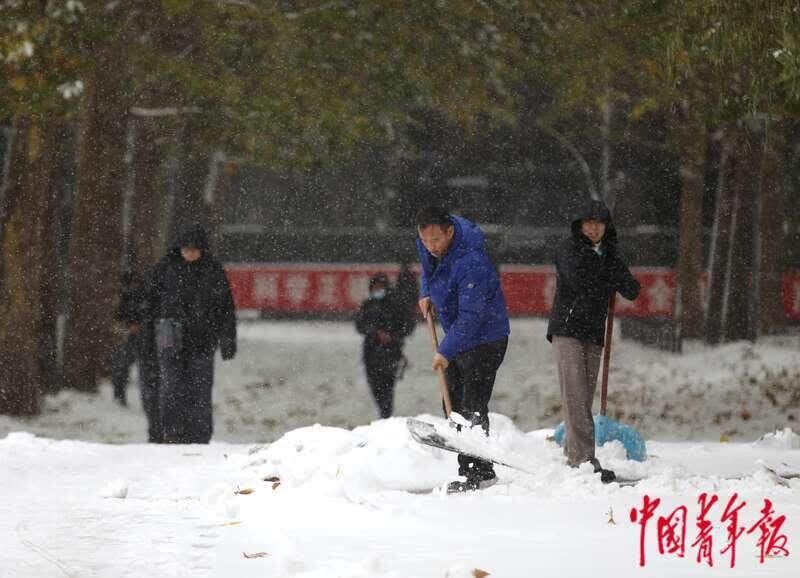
point(275, 485)
point(244, 491)
point(478, 573)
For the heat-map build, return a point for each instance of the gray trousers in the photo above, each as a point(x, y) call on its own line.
point(577, 363)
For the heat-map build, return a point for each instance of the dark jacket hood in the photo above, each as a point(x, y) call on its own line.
point(192, 236)
point(598, 211)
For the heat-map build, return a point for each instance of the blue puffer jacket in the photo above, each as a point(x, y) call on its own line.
point(465, 289)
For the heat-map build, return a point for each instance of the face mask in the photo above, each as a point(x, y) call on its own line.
point(378, 294)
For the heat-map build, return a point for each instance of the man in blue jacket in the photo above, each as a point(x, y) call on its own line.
point(463, 286)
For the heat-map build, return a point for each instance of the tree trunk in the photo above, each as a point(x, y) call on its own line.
point(720, 240)
point(23, 269)
point(742, 286)
point(772, 253)
point(187, 173)
point(689, 136)
point(53, 290)
point(147, 216)
point(96, 240)
point(218, 186)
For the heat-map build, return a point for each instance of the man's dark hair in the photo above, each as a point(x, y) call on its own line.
point(433, 215)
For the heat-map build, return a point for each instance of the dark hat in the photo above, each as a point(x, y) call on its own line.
point(378, 279)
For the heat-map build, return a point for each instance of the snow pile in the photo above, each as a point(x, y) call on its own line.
point(367, 503)
point(782, 439)
point(335, 461)
point(115, 489)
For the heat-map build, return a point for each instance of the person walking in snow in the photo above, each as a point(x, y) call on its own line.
point(384, 323)
point(127, 352)
point(189, 301)
point(139, 346)
point(460, 282)
point(588, 272)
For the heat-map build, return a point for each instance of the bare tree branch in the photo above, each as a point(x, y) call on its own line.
point(573, 150)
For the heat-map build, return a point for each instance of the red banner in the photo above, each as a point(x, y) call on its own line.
point(529, 290)
point(791, 295)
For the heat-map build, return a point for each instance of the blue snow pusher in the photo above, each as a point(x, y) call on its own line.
point(606, 430)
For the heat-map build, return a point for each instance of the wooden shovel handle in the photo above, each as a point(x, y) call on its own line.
point(607, 353)
point(448, 408)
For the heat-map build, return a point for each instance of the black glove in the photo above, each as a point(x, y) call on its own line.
point(228, 349)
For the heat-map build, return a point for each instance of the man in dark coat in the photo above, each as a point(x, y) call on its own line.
point(589, 271)
point(385, 323)
point(189, 300)
point(460, 281)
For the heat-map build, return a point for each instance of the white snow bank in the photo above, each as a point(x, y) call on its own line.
point(781, 439)
point(384, 457)
point(324, 501)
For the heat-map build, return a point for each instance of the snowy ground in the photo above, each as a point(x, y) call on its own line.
point(343, 499)
point(290, 374)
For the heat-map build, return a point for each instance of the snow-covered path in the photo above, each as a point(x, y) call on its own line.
point(348, 502)
point(58, 516)
point(290, 374)
point(80, 509)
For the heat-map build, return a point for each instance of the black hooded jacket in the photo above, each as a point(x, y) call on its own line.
point(196, 294)
point(585, 280)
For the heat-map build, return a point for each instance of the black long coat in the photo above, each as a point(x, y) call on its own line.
point(586, 279)
point(199, 297)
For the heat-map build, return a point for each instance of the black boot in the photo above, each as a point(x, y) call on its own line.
point(471, 485)
point(477, 479)
point(606, 476)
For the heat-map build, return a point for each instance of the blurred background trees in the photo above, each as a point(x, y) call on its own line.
point(286, 126)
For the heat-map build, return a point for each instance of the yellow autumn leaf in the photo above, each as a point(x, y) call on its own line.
point(18, 83)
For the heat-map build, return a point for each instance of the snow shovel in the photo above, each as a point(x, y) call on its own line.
point(605, 428)
point(448, 409)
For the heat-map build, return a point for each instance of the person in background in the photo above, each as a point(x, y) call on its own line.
point(460, 281)
point(149, 375)
point(128, 315)
point(385, 323)
point(588, 272)
point(188, 300)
